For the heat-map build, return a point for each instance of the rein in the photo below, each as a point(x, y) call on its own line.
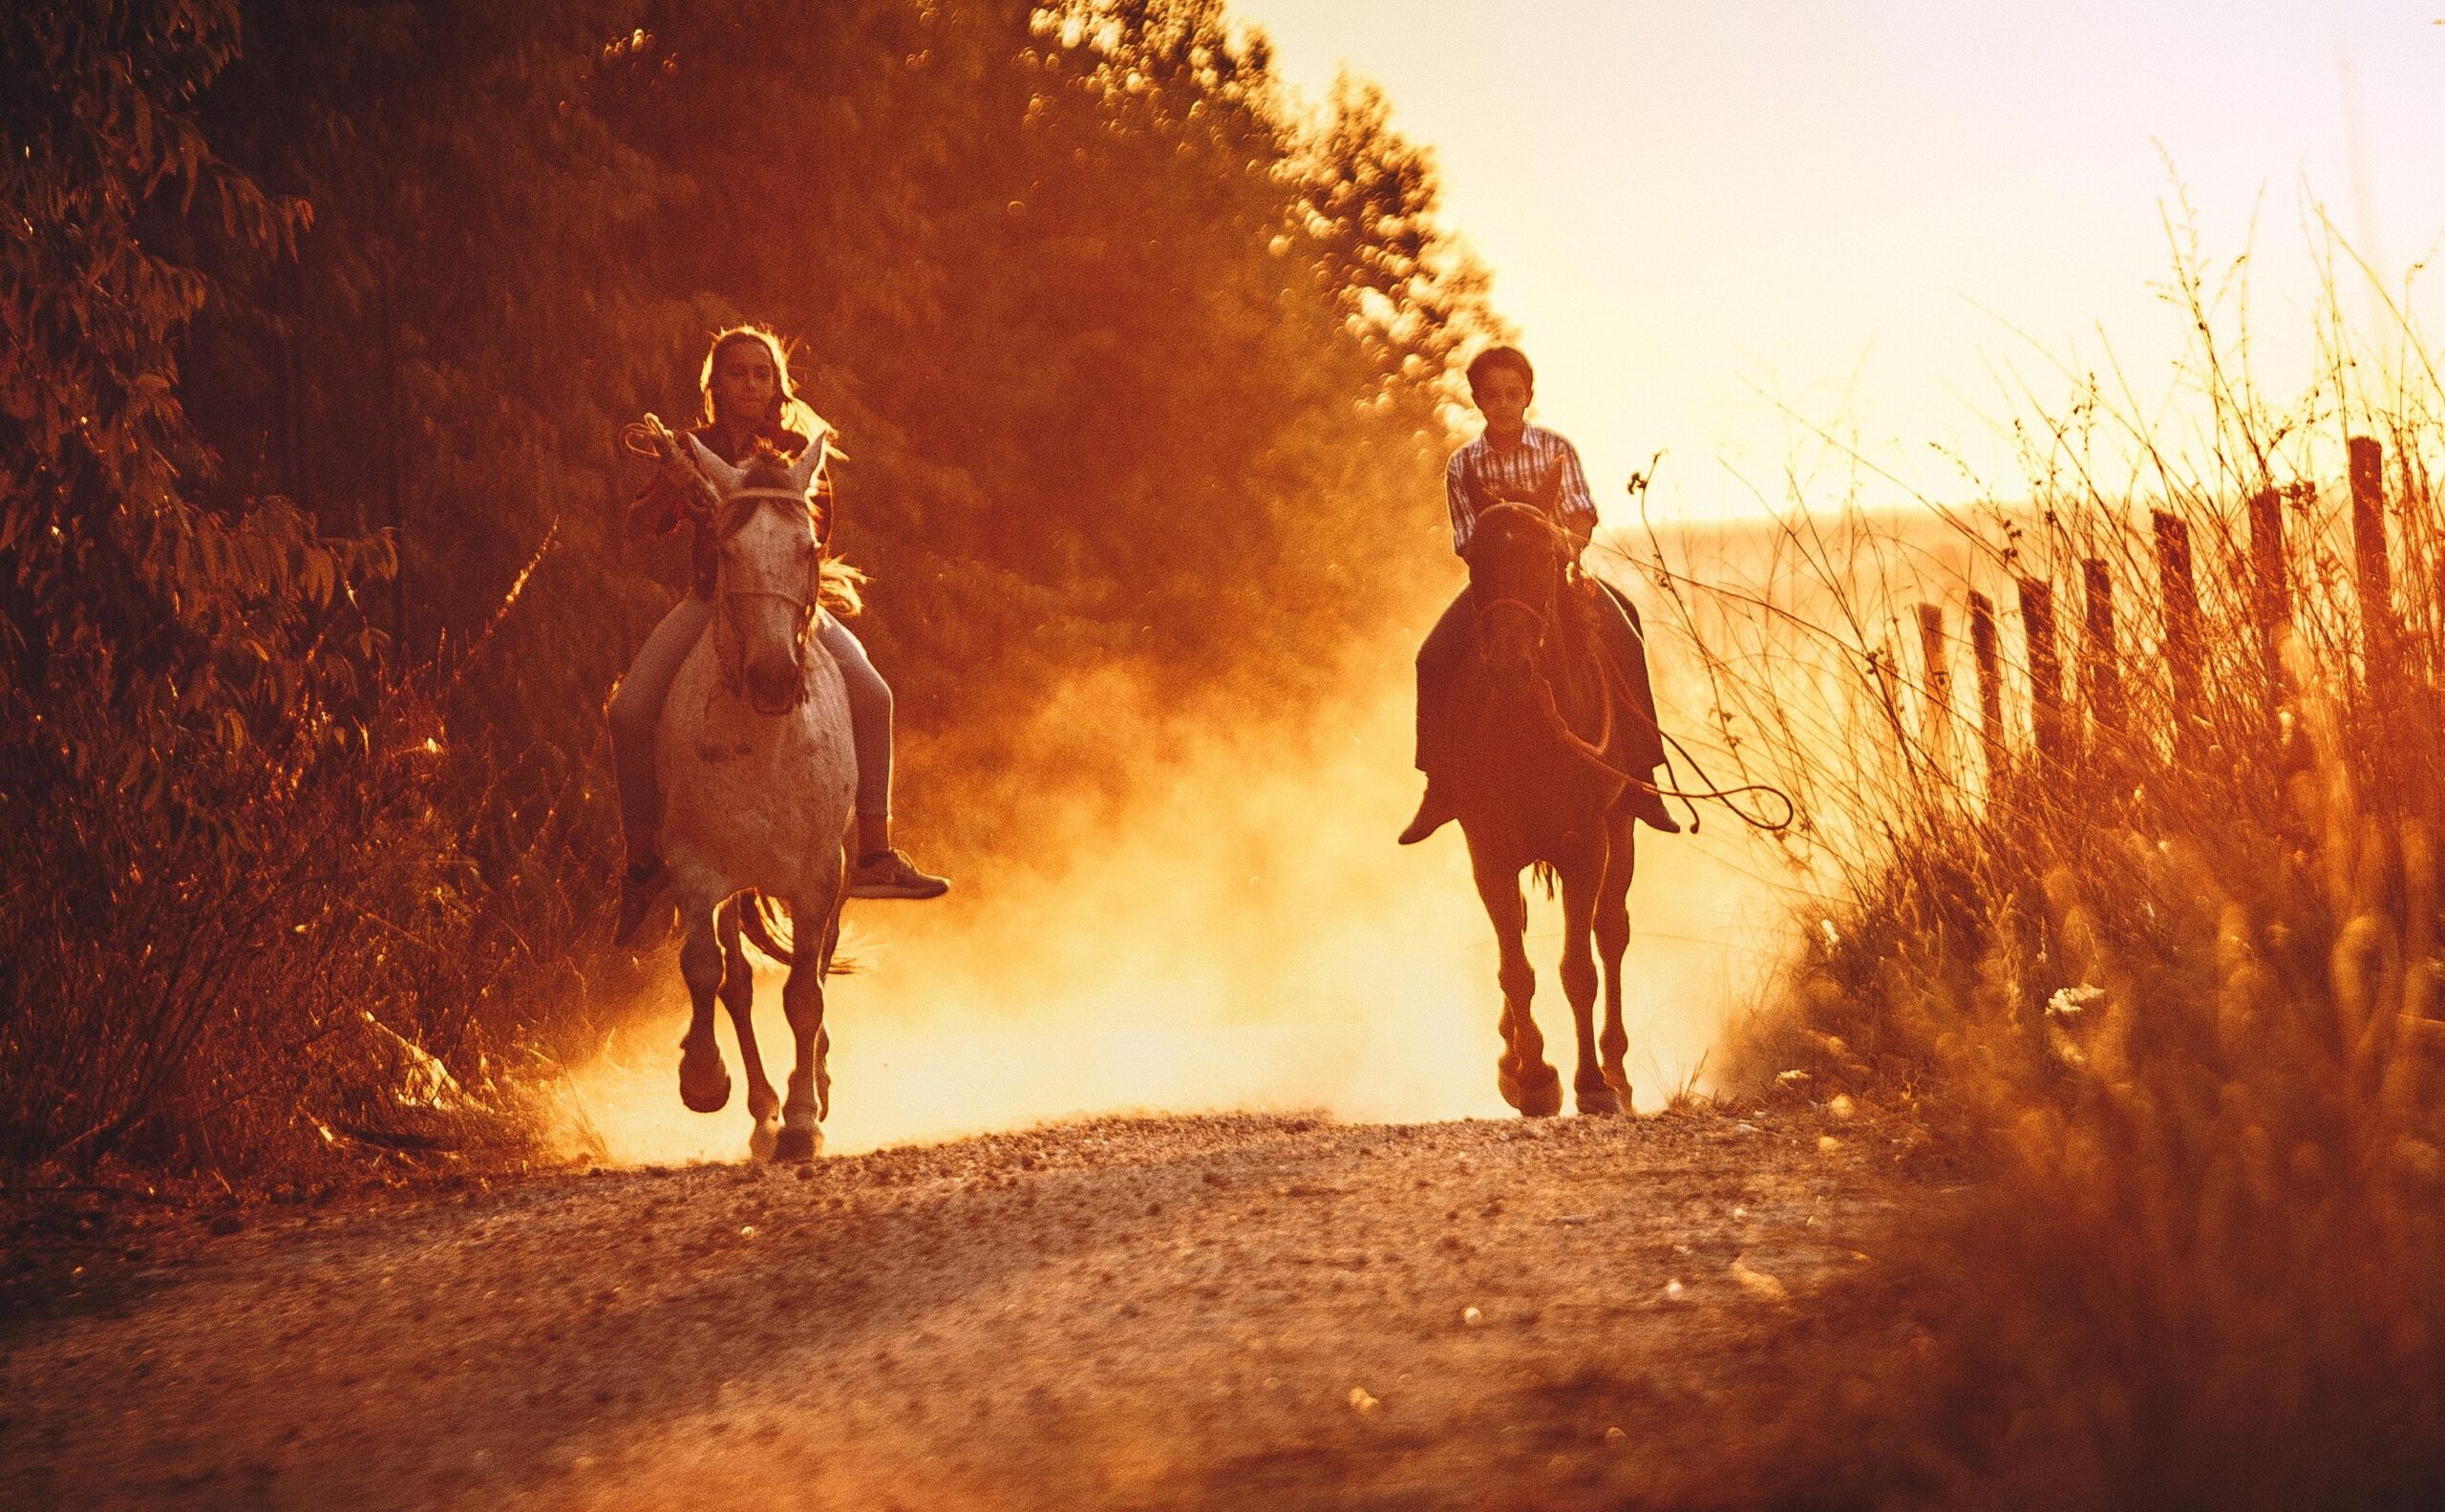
point(652, 438)
point(1612, 691)
point(1610, 687)
point(734, 676)
point(1539, 677)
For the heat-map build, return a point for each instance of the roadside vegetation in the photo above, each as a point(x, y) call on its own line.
point(321, 322)
point(2149, 971)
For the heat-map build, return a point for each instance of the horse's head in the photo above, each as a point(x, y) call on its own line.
point(764, 595)
point(1516, 558)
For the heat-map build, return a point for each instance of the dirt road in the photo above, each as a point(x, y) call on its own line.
point(1161, 1312)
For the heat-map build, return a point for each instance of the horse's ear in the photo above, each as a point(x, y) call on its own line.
point(809, 464)
point(719, 471)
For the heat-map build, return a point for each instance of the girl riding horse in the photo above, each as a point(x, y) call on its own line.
point(747, 399)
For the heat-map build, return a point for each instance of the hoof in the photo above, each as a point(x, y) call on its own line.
point(1537, 1094)
point(802, 1144)
point(704, 1081)
point(1597, 1100)
point(765, 1138)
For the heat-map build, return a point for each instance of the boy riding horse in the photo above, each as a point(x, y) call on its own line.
point(1515, 462)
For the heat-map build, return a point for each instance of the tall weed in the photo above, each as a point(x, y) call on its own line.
point(2167, 994)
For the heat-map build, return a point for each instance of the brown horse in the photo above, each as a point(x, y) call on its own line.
point(1536, 782)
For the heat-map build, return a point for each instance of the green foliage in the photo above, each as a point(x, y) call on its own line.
point(1061, 277)
point(183, 676)
point(109, 565)
point(326, 324)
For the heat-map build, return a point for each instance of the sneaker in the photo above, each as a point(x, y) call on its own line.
point(1434, 812)
point(640, 888)
point(889, 874)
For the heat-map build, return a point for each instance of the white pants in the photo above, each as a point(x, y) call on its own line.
point(636, 711)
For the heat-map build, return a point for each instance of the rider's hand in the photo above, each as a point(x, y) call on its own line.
point(685, 481)
point(678, 472)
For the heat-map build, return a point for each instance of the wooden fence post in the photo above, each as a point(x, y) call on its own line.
point(1938, 665)
point(2270, 592)
point(2179, 591)
point(1991, 684)
point(2045, 667)
point(2378, 644)
point(2100, 659)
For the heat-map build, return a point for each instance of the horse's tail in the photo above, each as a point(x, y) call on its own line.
point(767, 926)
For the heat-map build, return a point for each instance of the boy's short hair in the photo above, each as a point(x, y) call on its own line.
point(1493, 358)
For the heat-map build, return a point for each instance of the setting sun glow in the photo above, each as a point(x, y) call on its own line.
point(1723, 228)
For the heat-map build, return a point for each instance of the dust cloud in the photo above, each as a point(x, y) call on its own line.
point(1244, 934)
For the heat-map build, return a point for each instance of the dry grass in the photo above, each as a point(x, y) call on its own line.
point(259, 971)
point(2170, 995)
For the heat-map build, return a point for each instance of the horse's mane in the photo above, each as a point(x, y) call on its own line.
point(766, 466)
point(839, 586)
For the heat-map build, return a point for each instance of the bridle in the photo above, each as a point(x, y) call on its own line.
point(733, 673)
point(1591, 751)
point(1539, 615)
point(1613, 689)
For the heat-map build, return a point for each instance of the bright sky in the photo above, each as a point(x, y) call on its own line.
point(1865, 210)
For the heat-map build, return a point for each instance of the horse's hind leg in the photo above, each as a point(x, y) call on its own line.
point(1612, 927)
point(738, 995)
point(1583, 884)
point(704, 1081)
point(1526, 1081)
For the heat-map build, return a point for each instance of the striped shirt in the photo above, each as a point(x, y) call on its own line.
point(1542, 469)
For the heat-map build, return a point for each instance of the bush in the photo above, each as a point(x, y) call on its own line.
point(323, 325)
point(2167, 991)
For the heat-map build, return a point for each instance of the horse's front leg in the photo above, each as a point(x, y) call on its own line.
point(810, 1099)
point(704, 1081)
point(738, 995)
point(1526, 1081)
point(1582, 883)
point(1612, 927)
point(802, 1114)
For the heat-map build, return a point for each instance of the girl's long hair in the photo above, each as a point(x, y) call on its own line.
point(790, 413)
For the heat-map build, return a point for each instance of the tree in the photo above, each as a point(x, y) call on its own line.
point(1136, 367)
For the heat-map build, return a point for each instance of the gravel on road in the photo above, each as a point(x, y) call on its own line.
point(1224, 1311)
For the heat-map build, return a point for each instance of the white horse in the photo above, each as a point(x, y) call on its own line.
point(760, 776)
